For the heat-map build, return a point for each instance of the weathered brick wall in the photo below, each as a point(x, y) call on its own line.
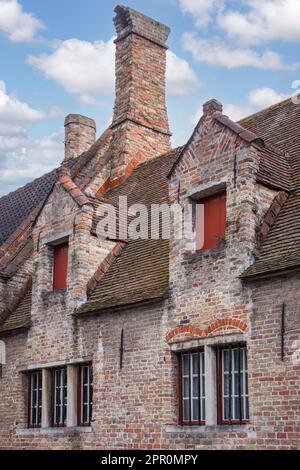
point(275, 398)
point(206, 285)
point(136, 406)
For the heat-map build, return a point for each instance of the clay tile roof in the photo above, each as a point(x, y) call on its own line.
point(141, 270)
point(281, 248)
point(20, 317)
point(279, 125)
point(274, 169)
point(17, 206)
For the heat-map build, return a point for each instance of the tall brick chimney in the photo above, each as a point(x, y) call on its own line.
point(140, 121)
point(80, 135)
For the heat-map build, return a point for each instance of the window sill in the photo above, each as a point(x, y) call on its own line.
point(204, 431)
point(53, 431)
point(54, 294)
point(199, 255)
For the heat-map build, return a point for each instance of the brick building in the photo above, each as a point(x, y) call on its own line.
point(115, 343)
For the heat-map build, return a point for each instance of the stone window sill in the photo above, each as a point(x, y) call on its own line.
point(53, 431)
point(53, 294)
point(204, 431)
point(211, 253)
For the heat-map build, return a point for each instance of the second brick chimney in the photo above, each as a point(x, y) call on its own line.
point(80, 135)
point(140, 121)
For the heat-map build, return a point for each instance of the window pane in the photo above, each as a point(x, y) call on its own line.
point(86, 394)
point(185, 365)
point(35, 397)
point(233, 370)
point(226, 408)
point(193, 387)
point(195, 362)
point(195, 416)
point(186, 410)
point(186, 387)
point(226, 360)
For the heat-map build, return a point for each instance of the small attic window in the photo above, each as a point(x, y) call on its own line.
point(211, 221)
point(60, 266)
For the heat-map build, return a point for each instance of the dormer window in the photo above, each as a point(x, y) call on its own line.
point(211, 222)
point(60, 266)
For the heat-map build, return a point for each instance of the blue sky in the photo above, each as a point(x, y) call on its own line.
point(57, 56)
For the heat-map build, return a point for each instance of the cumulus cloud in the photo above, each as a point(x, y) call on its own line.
point(16, 24)
point(263, 21)
point(14, 112)
point(180, 77)
point(81, 67)
point(88, 69)
point(22, 158)
point(201, 10)
point(257, 99)
point(216, 52)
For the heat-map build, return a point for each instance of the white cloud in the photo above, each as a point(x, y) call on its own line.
point(180, 77)
point(89, 100)
point(263, 97)
point(201, 10)
point(14, 112)
point(81, 67)
point(88, 69)
point(216, 52)
point(18, 25)
point(23, 159)
point(263, 21)
point(257, 99)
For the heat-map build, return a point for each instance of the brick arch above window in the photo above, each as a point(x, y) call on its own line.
point(188, 332)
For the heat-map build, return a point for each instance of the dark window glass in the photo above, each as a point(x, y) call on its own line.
point(233, 385)
point(86, 394)
point(35, 399)
point(60, 386)
point(192, 387)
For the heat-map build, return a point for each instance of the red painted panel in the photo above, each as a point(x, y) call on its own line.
point(60, 266)
point(214, 220)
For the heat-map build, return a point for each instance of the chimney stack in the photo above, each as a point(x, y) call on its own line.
point(80, 135)
point(140, 121)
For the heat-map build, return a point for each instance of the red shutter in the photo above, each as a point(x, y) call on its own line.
point(214, 220)
point(60, 266)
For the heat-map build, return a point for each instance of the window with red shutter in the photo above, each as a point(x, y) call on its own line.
point(211, 222)
point(60, 266)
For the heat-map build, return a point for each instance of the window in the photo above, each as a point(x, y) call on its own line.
point(85, 395)
point(211, 222)
point(35, 399)
point(60, 383)
point(60, 266)
point(233, 385)
point(192, 387)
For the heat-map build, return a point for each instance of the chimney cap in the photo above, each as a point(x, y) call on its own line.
point(79, 119)
point(128, 20)
point(212, 106)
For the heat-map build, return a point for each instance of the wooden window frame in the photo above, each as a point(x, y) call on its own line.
point(63, 285)
point(80, 405)
point(220, 396)
point(200, 395)
point(62, 423)
point(38, 407)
